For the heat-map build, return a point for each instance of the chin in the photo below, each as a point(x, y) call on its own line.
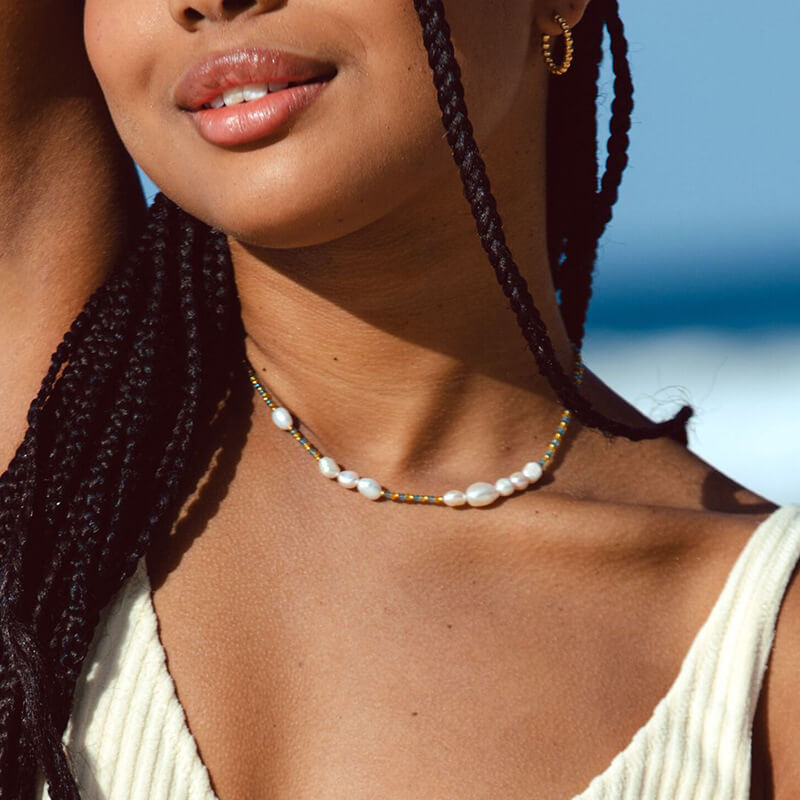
point(260, 220)
point(317, 212)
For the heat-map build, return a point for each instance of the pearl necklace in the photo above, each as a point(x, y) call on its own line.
point(476, 494)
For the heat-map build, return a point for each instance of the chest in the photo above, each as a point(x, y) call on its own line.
point(463, 669)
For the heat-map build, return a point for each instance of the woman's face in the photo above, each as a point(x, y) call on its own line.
point(370, 139)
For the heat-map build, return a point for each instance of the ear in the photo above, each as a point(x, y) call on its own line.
point(545, 11)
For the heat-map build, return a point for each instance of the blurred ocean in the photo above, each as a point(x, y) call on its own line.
point(715, 326)
point(744, 386)
point(697, 296)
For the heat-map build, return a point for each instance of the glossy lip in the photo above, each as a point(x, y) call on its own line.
point(212, 76)
point(250, 122)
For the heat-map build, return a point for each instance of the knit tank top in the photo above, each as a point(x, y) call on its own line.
point(128, 738)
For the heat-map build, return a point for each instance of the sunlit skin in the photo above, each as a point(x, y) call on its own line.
point(350, 649)
point(55, 133)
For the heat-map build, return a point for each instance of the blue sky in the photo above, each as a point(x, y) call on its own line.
point(715, 146)
point(710, 199)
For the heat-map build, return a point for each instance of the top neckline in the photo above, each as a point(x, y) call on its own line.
point(782, 519)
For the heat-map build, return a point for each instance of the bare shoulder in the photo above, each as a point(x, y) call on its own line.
point(776, 727)
point(721, 535)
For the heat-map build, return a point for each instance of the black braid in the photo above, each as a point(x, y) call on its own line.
point(572, 174)
point(115, 442)
point(103, 469)
point(569, 152)
point(450, 93)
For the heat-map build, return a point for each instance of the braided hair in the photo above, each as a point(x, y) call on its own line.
point(117, 435)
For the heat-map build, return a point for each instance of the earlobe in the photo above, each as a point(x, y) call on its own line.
point(546, 10)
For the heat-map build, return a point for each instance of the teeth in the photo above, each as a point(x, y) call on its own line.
point(246, 94)
point(255, 91)
point(233, 97)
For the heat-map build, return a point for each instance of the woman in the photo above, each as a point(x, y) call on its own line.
point(322, 645)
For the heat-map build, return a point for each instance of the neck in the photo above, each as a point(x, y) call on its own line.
point(395, 347)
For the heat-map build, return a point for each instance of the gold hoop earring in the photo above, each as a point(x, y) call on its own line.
point(547, 48)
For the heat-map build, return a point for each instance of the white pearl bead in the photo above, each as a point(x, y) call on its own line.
point(532, 471)
point(328, 467)
point(369, 488)
point(348, 478)
point(481, 494)
point(454, 498)
point(282, 418)
point(519, 480)
point(504, 486)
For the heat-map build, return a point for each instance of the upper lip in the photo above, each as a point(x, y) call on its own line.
point(212, 76)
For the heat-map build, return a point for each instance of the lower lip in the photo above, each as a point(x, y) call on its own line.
point(249, 122)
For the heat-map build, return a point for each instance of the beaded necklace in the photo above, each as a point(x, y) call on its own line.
point(476, 494)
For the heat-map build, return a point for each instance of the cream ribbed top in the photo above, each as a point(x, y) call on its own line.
point(129, 740)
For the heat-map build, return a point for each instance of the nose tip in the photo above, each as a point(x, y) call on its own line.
point(189, 13)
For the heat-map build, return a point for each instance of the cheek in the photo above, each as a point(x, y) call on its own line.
point(492, 40)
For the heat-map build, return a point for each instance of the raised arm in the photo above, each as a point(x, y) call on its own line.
point(68, 193)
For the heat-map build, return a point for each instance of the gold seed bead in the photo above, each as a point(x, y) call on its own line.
point(546, 461)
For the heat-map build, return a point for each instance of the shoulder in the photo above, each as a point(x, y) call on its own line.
point(707, 546)
point(779, 709)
